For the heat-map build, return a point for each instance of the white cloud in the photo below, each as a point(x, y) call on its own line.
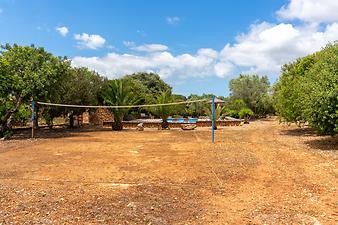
point(164, 63)
point(223, 68)
point(149, 47)
point(263, 49)
point(62, 30)
point(172, 20)
point(129, 43)
point(310, 10)
point(111, 47)
point(92, 41)
point(268, 46)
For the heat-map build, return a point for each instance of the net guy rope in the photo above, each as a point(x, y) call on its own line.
point(131, 106)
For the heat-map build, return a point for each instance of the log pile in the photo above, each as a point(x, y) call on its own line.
point(100, 115)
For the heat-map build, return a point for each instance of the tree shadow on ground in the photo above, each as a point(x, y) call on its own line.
point(300, 132)
point(59, 132)
point(327, 143)
point(314, 141)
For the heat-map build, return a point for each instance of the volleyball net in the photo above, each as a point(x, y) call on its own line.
point(144, 106)
point(122, 106)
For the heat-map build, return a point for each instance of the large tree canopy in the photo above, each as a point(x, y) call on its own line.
point(26, 72)
point(146, 84)
point(197, 109)
point(254, 90)
point(80, 86)
point(308, 91)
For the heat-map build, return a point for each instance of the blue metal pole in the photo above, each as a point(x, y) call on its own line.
point(33, 113)
point(213, 119)
point(33, 117)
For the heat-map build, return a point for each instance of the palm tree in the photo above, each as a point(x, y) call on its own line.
point(245, 114)
point(119, 93)
point(163, 111)
point(218, 113)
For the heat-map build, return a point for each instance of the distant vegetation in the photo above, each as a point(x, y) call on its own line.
point(306, 92)
point(255, 91)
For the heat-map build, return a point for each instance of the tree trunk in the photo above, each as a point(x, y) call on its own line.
point(9, 113)
point(246, 120)
point(6, 120)
point(50, 124)
point(164, 124)
point(71, 120)
point(117, 124)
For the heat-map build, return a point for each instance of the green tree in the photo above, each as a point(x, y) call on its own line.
point(319, 91)
point(179, 110)
point(219, 110)
point(163, 111)
point(245, 114)
point(80, 86)
point(57, 94)
point(26, 72)
point(119, 93)
point(234, 106)
point(287, 92)
point(307, 91)
point(197, 109)
point(146, 85)
point(152, 81)
point(84, 87)
point(254, 90)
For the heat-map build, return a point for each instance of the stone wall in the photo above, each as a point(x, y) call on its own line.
point(131, 124)
point(221, 123)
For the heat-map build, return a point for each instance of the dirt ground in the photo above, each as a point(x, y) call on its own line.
point(261, 173)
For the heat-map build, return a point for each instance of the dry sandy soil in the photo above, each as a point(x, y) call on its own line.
point(261, 173)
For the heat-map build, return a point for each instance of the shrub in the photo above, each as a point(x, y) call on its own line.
point(308, 91)
point(245, 114)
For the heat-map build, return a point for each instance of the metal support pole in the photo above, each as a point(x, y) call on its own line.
point(213, 119)
point(33, 118)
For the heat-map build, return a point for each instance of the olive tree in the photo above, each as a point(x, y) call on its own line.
point(254, 90)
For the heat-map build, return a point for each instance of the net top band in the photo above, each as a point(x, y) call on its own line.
point(120, 106)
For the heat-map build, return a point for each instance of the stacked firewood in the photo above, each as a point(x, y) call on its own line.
point(100, 115)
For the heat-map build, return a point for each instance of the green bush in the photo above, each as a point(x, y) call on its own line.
point(232, 113)
point(308, 91)
point(245, 113)
point(233, 107)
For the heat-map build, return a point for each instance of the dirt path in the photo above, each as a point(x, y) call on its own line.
point(280, 179)
point(262, 173)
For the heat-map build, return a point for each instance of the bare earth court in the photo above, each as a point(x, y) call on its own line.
point(259, 173)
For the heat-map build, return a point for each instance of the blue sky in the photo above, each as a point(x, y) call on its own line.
point(195, 46)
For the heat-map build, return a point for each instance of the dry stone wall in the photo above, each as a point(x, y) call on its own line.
point(127, 124)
